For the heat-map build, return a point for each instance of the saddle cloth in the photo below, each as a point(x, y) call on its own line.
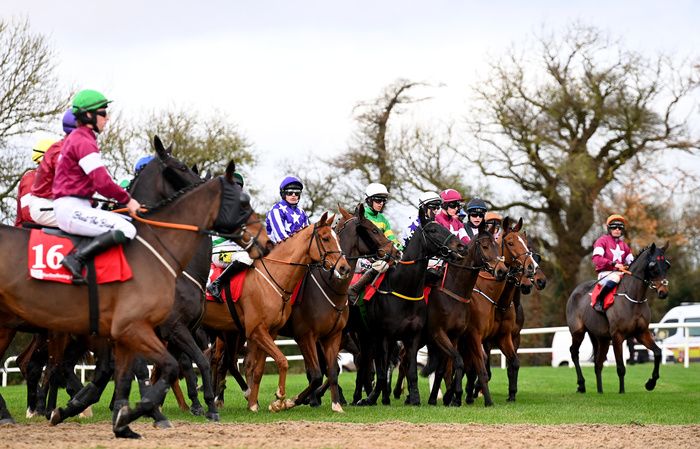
point(236, 285)
point(46, 251)
point(371, 288)
point(609, 298)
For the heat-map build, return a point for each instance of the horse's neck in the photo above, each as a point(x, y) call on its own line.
point(349, 246)
point(460, 280)
point(506, 297)
point(412, 274)
point(289, 259)
point(634, 285)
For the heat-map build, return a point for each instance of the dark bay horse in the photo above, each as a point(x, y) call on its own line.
point(264, 305)
point(321, 311)
point(627, 317)
point(128, 311)
point(490, 301)
point(398, 311)
point(449, 312)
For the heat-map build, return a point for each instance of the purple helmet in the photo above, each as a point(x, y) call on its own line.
point(69, 121)
point(290, 182)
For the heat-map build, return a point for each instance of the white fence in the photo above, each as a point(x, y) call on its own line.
point(8, 368)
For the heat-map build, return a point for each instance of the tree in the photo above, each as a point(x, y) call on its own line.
point(30, 99)
point(560, 127)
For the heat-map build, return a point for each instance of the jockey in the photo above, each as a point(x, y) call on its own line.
point(376, 195)
point(448, 217)
point(476, 209)
point(496, 220)
point(228, 255)
point(428, 205)
point(41, 206)
point(24, 193)
point(610, 256)
point(80, 173)
point(286, 217)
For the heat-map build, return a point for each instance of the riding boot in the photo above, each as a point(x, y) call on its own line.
point(598, 307)
point(356, 288)
point(216, 287)
point(75, 261)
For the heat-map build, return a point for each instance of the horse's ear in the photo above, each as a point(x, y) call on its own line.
point(160, 148)
point(482, 227)
point(322, 220)
point(666, 245)
point(195, 169)
point(230, 169)
point(506, 225)
point(652, 247)
point(329, 220)
point(519, 225)
point(360, 210)
point(344, 212)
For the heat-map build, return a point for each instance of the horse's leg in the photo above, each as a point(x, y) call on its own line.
point(617, 341)
point(440, 364)
point(479, 363)
point(307, 347)
point(254, 365)
point(6, 337)
point(647, 340)
point(601, 353)
point(184, 340)
point(576, 340)
point(218, 371)
point(267, 343)
point(36, 399)
point(139, 337)
point(331, 347)
point(448, 349)
point(381, 348)
point(512, 363)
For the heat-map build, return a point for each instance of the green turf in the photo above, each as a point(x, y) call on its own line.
point(546, 396)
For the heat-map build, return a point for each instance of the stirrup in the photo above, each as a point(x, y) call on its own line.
point(598, 307)
point(70, 262)
point(215, 290)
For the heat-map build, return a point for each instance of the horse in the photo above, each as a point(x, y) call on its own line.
point(488, 305)
point(448, 310)
point(129, 311)
point(264, 305)
point(321, 310)
point(628, 316)
point(398, 310)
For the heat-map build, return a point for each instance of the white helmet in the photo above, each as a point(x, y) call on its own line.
point(428, 197)
point(376, 189)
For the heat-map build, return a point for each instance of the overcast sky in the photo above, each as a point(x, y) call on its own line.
point(289, 72)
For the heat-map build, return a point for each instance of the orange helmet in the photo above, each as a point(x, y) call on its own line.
point(615, 217)
point(493, 216)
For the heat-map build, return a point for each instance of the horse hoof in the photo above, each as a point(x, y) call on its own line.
point(56, 417)
point(122, 421)
point(432, 401)
point(219, 403)
point(163, 424)
point(288, 404)
point(510, 399)
point(581, 390)
point(7, 421)
point(30, 413)
point(455, 403)
point(126, 432)
point(336, 407)
point(87, 413)
point(197, 410)
point(488, 404)
point(254, 408)
point(650, 385)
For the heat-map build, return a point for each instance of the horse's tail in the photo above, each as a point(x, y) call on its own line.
point(433, 361)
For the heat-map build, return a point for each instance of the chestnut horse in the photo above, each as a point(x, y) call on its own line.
point(264, 305)
point(449, 311)
point(627, 317)
point(128, 311)
point(488, 303)
point(321, 310)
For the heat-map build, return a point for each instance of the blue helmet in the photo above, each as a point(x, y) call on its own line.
point(69, 121)
point(143, 160)
point(477, 205)
point(290, 182)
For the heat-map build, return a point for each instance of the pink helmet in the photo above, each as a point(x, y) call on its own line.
point(449, 195)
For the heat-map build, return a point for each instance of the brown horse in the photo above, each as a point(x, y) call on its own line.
point(321, 311)
point(627, 317)
point(264, 305)
point(488, 301)
point(128, 311)
point(448, 310)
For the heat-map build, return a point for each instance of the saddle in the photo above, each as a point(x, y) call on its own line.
point(236, 286)
point(48, 246)
point(609, 298)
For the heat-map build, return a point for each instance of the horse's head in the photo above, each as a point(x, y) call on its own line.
point(656, 269)
point(483, 251)
point(324, 247)
point(526, 285)
point(372, 240)
point(514, 248)
point(237, 219)
point(439, 241)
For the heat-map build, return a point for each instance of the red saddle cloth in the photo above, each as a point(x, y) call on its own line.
point(236, 285)
point(609, 298)
point(46, 251)
point(371, 288)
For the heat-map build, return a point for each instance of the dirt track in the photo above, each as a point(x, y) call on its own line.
point(288, 435)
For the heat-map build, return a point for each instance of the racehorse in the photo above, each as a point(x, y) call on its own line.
point(488, 301)
point(398, 310)
point(321, 310)
point(448, 309)
point(129, 311)
point(264, 305)
point(628, 316)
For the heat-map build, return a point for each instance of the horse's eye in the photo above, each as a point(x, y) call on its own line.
point(376, 231)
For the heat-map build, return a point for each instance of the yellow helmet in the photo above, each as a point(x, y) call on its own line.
point(615, 217)
point(40, 148)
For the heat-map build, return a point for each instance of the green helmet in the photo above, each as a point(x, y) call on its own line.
point(238, 178)
point(89, 100)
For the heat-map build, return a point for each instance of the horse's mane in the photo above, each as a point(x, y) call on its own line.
point(161, 204)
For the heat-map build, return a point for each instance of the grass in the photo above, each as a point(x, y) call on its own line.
point(546, 396)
